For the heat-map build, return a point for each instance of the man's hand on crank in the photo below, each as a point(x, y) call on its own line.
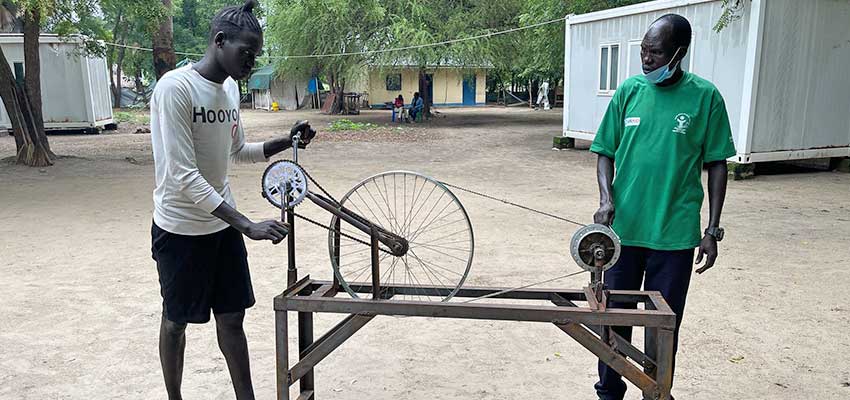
point(274, 146)
point(307, 133)
point(272, 230)
point(707, 249)
point(605, 214)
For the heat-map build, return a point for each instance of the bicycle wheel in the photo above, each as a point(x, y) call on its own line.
point(424, 212)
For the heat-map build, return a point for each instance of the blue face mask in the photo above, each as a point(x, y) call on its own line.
point(663, 73)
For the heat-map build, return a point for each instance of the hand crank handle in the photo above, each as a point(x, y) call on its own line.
point(398, 245)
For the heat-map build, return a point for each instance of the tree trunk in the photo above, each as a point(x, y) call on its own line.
point(337, 87)
point(119, 84)
point(110, 59)
point(30, 149)
point(137, 79)
point(32, 81)
point(425, 93)
point(164, 59)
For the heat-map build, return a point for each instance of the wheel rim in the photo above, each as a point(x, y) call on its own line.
point(419, 209)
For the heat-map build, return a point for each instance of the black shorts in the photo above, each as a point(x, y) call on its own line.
point(199, 273)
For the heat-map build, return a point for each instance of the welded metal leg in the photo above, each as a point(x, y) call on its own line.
point(650, 343)
point(282, 354)
point(305, 339)
point(376, 267)
point(664, 376)
point(292, 270)
point(337, 250)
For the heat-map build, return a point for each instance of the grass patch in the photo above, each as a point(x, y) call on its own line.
point(134, 117)
point(349, 125)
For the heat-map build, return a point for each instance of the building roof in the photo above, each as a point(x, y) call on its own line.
point(639, 8)
point(447, 63)
point(42, 38)
point(261, 78)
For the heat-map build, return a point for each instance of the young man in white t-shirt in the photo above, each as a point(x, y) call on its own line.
point(197, 233)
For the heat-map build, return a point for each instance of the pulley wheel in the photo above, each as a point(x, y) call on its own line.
point(594, 246)
point(284, 175)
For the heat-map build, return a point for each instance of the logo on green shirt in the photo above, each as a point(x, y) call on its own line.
point(683, 121)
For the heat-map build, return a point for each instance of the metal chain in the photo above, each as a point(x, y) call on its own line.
point(320, 187)
point(514, 204)
point(336, 203)
point(319, 224)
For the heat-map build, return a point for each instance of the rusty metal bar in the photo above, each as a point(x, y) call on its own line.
point(664, 376)
point(592, 302)
point(289, 213)
point(327, 344)
point(500, 312)
point(390, 239)
point(306, 395)
point(619, 344)
point(522, 294)
point(376, 264)
point(610, 357)
point(297, 287)
point(337, 251)
point(650, 345)
point(305, 339)
point(281, 345)
point(325, 291)
point(658, 302)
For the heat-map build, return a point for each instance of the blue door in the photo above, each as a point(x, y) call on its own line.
point(469, 90)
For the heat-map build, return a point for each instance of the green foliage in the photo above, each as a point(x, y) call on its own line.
point(298, 27)
point(349, 125)
point(335, 26)
point(134, 117)
point(731, 12)
point(304, 27)
point(192, 23)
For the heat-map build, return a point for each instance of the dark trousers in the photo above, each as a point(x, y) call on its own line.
point(668, 272)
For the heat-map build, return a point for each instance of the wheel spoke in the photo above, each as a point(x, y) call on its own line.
point(436, 203)
point(431, 219)
point(412, 253)
point(445, 254)
point(428, 227)
point(440, 246)
point(426, 269)
point(437, 266)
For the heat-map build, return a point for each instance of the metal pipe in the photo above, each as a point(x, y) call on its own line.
point(288, 214)
point(376, 268)
point(398, 245)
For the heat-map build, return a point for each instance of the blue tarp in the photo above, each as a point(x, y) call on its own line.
point(261, 79)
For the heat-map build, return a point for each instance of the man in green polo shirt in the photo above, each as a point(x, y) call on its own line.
point(660, 129)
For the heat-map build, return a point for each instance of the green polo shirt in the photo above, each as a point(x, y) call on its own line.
point(659, 138)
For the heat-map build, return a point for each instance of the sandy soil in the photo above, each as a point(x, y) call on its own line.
point(80, 299)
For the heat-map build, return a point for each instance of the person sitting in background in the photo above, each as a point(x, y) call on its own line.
point(416, 106)
point(399, 110)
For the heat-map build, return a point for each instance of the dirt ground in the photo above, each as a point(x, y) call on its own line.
point(80, 299)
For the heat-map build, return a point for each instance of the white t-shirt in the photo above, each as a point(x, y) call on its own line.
point(195, 132)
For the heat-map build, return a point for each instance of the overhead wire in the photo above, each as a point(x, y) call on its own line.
point(367, 52)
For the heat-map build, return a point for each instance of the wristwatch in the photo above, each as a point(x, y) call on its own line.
point(715, 231)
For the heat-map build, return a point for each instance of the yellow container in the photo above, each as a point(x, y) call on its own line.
point(275, 106)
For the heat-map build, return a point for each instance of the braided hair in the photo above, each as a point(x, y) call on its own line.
point(234, 19)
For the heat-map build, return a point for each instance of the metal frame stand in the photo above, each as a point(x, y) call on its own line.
point(590, 325)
